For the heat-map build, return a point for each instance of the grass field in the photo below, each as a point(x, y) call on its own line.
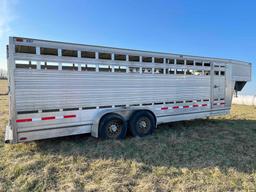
point(218, 154)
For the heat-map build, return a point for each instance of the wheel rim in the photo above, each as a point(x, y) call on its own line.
point(114, 128)
point(143, 125)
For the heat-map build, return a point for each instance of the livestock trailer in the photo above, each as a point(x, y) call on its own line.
point(59, 89)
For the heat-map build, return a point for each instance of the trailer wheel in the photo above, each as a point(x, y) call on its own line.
point(112, 126)
point(142, 123)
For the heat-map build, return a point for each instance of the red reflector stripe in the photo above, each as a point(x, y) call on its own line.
point(23, 120)
point(69, 116)
point(48, 118)
point(175, 107)
point(214, 103)
point(195, 105)
point(23, 138)
point(222, 103)
point(204, 105)
point(186, 106)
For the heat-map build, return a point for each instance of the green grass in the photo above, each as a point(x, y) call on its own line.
point(218, 154)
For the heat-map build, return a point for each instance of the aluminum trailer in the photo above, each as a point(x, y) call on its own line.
point(60, 89)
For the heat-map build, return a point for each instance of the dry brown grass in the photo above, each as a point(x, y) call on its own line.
point(3, 86)
point(201, 155)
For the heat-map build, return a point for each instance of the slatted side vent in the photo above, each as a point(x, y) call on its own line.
point(88, 54)
point(120, 57)
point(48, 51)
point(25, 49)
point(172, 66)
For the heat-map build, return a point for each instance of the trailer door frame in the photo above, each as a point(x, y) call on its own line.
point(218, 85)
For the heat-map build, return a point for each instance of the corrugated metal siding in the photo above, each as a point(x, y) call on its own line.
point(241, 72)
point(47, 89)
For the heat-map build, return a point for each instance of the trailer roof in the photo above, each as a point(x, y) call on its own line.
point(144, 51)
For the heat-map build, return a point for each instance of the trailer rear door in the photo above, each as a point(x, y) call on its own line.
point(218, 85)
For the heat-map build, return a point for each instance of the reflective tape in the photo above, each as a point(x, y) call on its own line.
point(69, 116)
point(164, 108)
point(186, 106)
point(48, 118)
point(45, 118)
point(23, 120)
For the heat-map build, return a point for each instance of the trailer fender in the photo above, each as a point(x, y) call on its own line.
point(125, 113)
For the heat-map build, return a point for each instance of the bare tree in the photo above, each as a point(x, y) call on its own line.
point(3, 74)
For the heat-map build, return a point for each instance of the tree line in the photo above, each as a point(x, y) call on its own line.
point(3, 74)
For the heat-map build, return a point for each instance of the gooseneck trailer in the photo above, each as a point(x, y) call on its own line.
point(59, 89)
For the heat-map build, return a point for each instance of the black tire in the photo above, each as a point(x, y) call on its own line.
point(142, 123)
point(112, 126)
